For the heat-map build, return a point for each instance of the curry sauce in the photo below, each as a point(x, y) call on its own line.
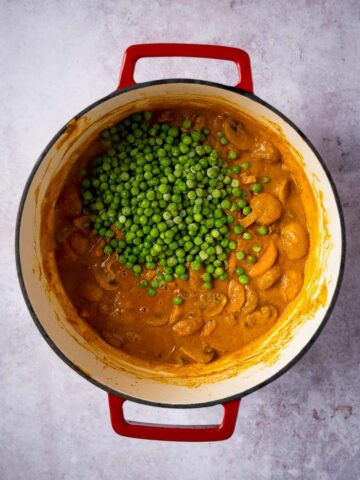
point(209, 323)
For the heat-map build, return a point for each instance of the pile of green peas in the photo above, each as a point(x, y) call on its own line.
point(169, 194)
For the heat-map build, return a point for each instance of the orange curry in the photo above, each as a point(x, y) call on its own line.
point(263, 272)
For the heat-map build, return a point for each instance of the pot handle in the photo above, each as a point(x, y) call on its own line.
point(178, 433)
point(135, 52)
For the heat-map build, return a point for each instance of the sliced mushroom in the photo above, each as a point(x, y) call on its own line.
point(98, 248)
point(80, 221)
point(132, 337)
point(199, 122)
point(295, 240)
point(66, 252)
point(90, 291)
point(236, 134)
point(149, 275)
point(106, 277)
point(203, 354)
point(69, 202)
point(79, 243)
point(266, 314)
point(195, 281)
point(212, 303)
point(113, 339)
point(157, 320)
point(229, 319)
point(208, 328)
point(248, 220)
point(246, 179)
point(191, 324)
point(266, 208)
point(252, 300)
point(269, 278)
point(166, 116)
point(236, 294)
point(282, 190)
point(291, 284)
point(266, 260)
point(175, 314)
point(265, 151)
point(218, 124)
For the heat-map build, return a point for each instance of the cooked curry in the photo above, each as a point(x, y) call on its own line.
point(181, 235)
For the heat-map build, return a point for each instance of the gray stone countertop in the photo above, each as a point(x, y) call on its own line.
point(56, 58)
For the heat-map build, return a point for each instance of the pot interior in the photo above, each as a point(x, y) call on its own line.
point(81, 348)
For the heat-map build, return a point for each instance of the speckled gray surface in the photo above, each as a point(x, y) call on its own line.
point(56, 57)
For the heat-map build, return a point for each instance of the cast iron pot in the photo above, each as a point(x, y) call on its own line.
point(126, 383)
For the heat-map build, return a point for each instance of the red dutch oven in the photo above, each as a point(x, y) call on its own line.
point(236, 377)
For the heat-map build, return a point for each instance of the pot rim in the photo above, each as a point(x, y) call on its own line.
point(271, 379)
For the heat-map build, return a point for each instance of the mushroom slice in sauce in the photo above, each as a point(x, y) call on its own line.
point(78, 243)
point(156, 320)
point(265, 151)
point(266, 314)
point(269, 278)
point(236, 294)
point(189, 325)
point(113, 339)
point(106, 275)
point(282, 190)
point(266, 207)
point(252, 299)
point(203, 354)
point(236, 134)
point(212, 303)
point(290, 284)
point(295, 240)
point(208, 328)
point(91, 291)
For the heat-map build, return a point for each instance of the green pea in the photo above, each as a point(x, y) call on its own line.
point(226, 203)
point(151, 292)
point(256, 187)
point(251, 259)
point(239, 271)
point(206, 277)
point(246, 210)
point(238, 229)
point(108, 250)
point(247, 236)
point(240, 255)
point(196, 265)
point(262, 230)
point(241, 203)
point(178, 300)
point(232, 155)
point(244, 279)
point(245, 165)
point(186, 124)
point(143, 283)
point(266, 179)
point(147, 116)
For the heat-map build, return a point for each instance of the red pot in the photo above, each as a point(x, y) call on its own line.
point(121, 380)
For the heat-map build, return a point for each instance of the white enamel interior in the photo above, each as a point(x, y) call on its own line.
point(51, 316)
